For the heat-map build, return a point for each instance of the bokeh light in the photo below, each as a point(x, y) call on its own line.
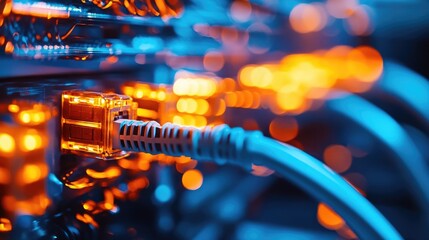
point(328, 218)
point(192, 179)
point(213, 61)
point(306, 18)
point(341, 8)
point(7, 143)
point(359, 23)
point(292, 85)
point(241, 11)
point(5, 225)
point(284, 128)
point(338, 157)
point(33, 172)
point(32, 141)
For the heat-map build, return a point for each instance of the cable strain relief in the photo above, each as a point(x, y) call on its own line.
point(221, 144)
point(227, 145)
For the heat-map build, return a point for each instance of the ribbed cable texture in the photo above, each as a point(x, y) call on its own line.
point(220, 143)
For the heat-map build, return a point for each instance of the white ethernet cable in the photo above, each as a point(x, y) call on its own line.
point(97, 124)
point(223, 144)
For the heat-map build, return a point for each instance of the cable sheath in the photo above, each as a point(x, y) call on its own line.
point(223, 144)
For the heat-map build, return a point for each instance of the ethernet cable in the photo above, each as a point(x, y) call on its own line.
point(410, 88)
point(102, 125)
point(223, 144)
point(380, 125)
point(407, 156)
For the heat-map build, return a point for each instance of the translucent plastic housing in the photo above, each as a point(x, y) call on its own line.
point(87, 121)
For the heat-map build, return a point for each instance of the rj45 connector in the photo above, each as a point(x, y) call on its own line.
point(87, 121)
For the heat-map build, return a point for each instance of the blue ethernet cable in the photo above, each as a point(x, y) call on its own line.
point(223, 144)
point(410, 88)
point(406, 155)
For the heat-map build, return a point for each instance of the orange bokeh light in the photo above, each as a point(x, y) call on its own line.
point(213, 61)
point(229, 35)
point(289, 101)
point(359, 23)
point(328, 218)
point(284, 128)
point(7, 143)
point(241, 11)
point(338, 157)
point(31, 141)
point(192, 179)
point(335, 60)
point(250, 124)
point(9, 47)
point(31, 173)
point(291, 86)
point(365, 64)
point(227, 84)
point(5, 225)
point(306, 18)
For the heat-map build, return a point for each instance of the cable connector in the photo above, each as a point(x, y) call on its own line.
point(220, 143)
point(87, 122)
